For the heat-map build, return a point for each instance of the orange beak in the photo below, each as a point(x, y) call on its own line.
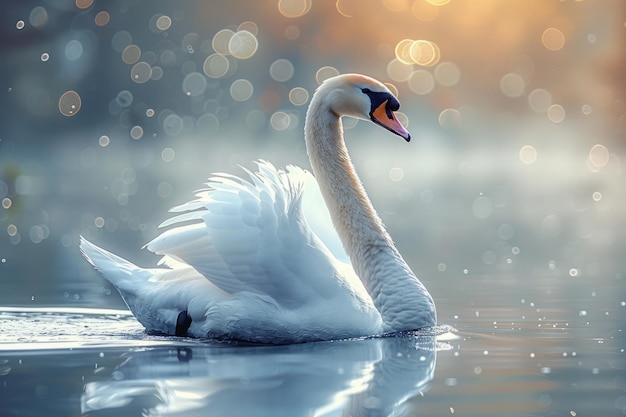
point(383, 116)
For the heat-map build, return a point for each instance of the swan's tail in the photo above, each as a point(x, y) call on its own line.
point(124, 275)
point(158, 305)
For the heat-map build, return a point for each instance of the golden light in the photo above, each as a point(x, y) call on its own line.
point(420, 52)
point(294, 8)
point(84, 4)
point(424, 11)
point(528, 154)
point(553, 39)
point(102, 18)
point(599, 155)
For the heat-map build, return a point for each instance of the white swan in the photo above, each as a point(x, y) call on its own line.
point(254, 259)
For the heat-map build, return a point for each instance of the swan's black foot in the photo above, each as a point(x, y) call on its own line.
point(182, 323)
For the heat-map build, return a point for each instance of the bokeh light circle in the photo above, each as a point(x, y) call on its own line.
point(141, 72)
point(243, 45)
point(553, 39)
point(194, 84)
point(216, 65)
point(421, 82)
point(325, 73)
point(512, 85)
point(69, 103)
point(220, 41)
point(282, 70)
point(131, 54)
point(241, 90)
point(447, 74)
point(528, 154)
point(298, 96)
point(294, 8)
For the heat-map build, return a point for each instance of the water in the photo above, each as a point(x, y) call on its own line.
point(508, 357)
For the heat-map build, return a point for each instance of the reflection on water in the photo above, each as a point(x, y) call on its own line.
point(95, 357)
point(101, 363)
point(358, 378)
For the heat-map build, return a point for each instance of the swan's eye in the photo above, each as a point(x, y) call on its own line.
point(393, 104)
point(366, 90)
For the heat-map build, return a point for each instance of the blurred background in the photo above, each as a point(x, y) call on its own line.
point(114, 111)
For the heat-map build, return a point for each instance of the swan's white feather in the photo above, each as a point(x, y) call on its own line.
point(254, 237)
point(249, 266)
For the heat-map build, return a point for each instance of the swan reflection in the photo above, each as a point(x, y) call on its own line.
point(364, 377)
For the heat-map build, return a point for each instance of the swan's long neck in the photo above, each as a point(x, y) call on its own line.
point(400, 297)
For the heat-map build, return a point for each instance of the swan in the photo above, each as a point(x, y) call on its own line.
point(257, 259)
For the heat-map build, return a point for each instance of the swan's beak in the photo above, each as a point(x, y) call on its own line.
point(383, 116)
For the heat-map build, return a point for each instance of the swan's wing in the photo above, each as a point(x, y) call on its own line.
point(252, 235)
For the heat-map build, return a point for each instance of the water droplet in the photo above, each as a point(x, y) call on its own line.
point(241, 90)
point(556, 113)
point(163, 22)
point(104, 141)
point(294, 8)
point(249, 26)
point(424, 53)
point(450, 119)
point(131, 54)
point(396, 174)
point(208, 124)
point(399, 71)
point(73, 50)
point(20, 24)
point(553, 39)
point(281, 70)
point(512, 85)
point(280, 120)
point(421, 82)
point(242, 45)
point(102, 18)
point(447, 74)
point(539, 100)
point(124, 98)
point(325, 73)
point(84, 4)
point(121, 40)
point(38, 17)
point(298, 96)
point(173, 125)
point(194, 84)
point(6, 203)
point(216, 65)
point(599, 155)
point(45, 57)
point(528, 154)
point(136, 132)
point(168, 154)
point(141, 72)
point(69, 103)
point(482, 207)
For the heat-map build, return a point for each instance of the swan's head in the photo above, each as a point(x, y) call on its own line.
point(365, 98)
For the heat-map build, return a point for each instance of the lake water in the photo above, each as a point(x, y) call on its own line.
point(510, 355)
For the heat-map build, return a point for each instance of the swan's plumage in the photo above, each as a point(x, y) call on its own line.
point(258, 259)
